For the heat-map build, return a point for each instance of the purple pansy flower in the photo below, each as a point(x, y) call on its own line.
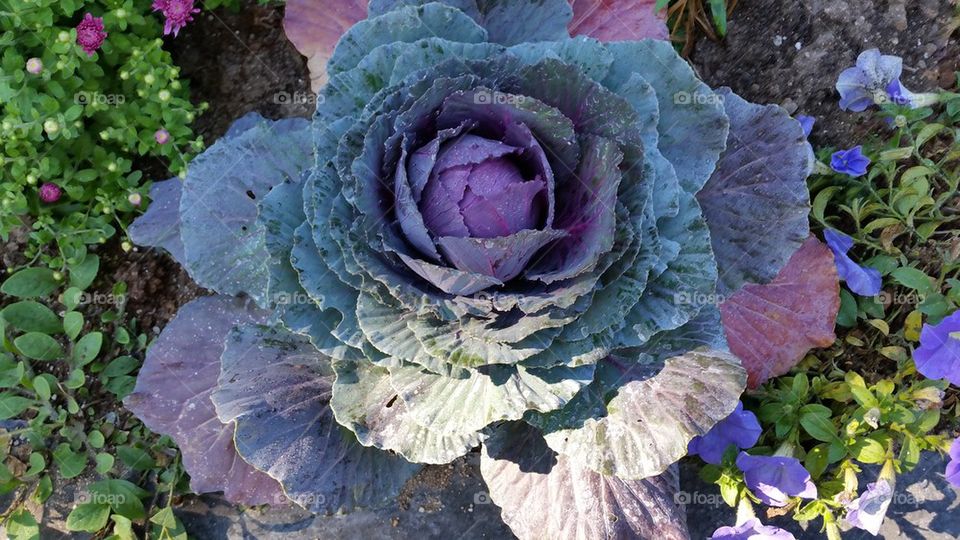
point(874, 80)
point(868, 510)
point(806, 122)
point(177, 13)
point(953, 468)
point(862, 280)
point(775, 479)
point(90, 33)
point(938, 356)
point(851, 162)
point(50, 193)
point(740, 429)
point(751, 529)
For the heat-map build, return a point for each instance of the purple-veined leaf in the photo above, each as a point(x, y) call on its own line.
point(159, 226)
point(172, 396)
point(771, 327)
point(277, 388)
point(760, 184)
point(618, 20)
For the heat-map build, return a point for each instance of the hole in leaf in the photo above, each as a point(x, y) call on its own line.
point(251, 194)
point(391, 402)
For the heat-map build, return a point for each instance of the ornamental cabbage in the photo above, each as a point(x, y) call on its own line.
point(490, 234)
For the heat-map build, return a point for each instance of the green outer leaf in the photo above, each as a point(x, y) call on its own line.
point(658, 407)
point(545, 495)
point(430, 418)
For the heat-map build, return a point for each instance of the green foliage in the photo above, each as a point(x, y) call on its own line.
point(902, 217)
point(64, 366)
point(84, 123)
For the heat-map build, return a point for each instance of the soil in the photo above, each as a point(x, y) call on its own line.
point(778, 52)
point(790, 53)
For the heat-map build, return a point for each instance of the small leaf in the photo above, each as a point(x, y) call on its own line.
point(909, 453)
point(817, 460)
point(880, 325)
point(71, 463)
point(41, 387)
point(121, 366)
point(72, 297)
point(37, 464)
point(83, 274)
point(30, 316)
point(75, 379)
point(135, 458)
point(87, 348)
point(821, 200)
point(88, 517)
point(820, 428)
point(37, 346)
point(928, 132)
point(12, 405)
point(104, 462)
point(30, 283)
point(72, 324)
point(21, 525)
point(912, 325)
point(913, 279)
point(95, 439)
point(868, 450)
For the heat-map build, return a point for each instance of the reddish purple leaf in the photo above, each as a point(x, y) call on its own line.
point(172, 397)
point(771, 327)
point(315, 26)
point(618, 20)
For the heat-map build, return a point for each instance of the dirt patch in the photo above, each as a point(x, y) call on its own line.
point(791, 53)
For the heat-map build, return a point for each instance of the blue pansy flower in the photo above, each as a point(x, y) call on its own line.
point(869, 509)
point(776, 479)
point(851, 162)
point(752, 529)
point(938, 356)
point(740, 429)
point(953, 468)
point(874, 80)
point(862, 280)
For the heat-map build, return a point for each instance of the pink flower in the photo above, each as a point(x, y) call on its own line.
point(34, 66)
point(50, 193)
point(90, 34)
point(162, 136)
point(177, 13)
